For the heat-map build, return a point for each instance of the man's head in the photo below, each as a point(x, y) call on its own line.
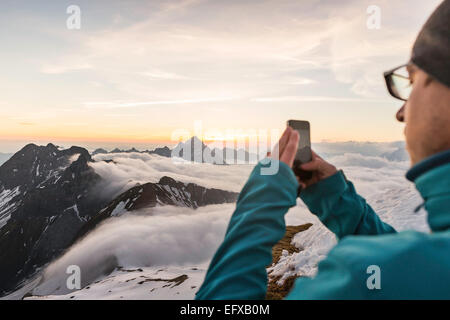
point(426, 113)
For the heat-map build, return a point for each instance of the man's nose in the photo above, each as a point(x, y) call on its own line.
point(401, 114)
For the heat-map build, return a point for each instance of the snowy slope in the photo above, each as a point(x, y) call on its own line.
point(149, 283)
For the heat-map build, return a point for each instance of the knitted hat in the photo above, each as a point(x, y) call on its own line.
point(431, 51)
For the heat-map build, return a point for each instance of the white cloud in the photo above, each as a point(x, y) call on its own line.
point(64, 64)
point(152, 237)
point(358, 160)
point(150, 103)
point(359, 55)
point(312, 99)
point(129, 169)
point(157, 74)
point(184, 43)
point(363, 148)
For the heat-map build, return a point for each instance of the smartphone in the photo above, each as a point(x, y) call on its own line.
point(303, 154)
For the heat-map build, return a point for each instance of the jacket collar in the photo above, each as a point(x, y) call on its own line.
point(427, 164)
point(432, 179)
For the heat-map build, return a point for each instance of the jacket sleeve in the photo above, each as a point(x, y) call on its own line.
point(238, 268)
point(335, 280)
point(335, 202)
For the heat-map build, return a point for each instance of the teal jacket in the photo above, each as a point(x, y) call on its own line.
point(408, 265)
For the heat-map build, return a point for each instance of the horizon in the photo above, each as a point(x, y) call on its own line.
point(16, 146)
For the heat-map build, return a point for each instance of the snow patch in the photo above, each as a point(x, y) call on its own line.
point(119, 209)
point(145, 283)
point(7, 205)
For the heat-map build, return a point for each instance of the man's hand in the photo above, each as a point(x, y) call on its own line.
point(286, 148)
point(320, 170)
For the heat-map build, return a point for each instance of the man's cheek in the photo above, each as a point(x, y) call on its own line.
point(413, 109)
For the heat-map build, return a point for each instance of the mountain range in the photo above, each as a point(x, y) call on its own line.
point(195, 150)
point(50, 198)
point(164, 151)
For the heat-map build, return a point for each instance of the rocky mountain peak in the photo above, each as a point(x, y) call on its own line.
point(34, 165)
point(46, 197)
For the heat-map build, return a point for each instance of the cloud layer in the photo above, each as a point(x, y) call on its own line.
point(129, 169)
point(153, 237)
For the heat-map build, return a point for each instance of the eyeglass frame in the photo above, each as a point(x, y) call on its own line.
point(387, 76)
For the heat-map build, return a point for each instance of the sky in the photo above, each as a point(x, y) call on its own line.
point(135, 71)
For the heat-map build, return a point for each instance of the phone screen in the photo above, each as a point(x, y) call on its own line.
point(303, 154)
point(304, 144)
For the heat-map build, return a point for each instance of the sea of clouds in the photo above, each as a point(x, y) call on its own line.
point(168, 235)
point(128, 169)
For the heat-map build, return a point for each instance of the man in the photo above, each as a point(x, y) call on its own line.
point(412, 265)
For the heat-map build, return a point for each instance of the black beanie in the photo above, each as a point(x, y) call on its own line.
point(431, 51)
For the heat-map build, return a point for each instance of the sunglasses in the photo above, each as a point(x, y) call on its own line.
point(398, 82)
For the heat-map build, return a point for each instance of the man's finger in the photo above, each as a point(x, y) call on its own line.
point(284, 140)
point(280, 145)
point(288, 155)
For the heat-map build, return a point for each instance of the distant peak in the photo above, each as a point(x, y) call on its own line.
point(99, 151)
point(167, 180)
